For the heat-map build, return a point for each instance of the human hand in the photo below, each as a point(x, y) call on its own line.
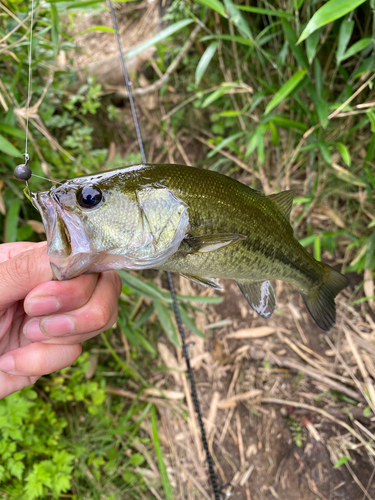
point(43, 322)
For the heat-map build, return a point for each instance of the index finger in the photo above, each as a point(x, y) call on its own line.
point(10, 250)
point(20, 274)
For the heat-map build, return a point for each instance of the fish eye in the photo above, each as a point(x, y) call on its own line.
point(89, 197)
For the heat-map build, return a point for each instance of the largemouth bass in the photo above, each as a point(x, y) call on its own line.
point(198, 223)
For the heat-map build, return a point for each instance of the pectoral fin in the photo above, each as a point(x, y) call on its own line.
point(209, 282)
point(260, 296)
point(212, 242)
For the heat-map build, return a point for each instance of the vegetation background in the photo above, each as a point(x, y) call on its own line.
point(278, 94)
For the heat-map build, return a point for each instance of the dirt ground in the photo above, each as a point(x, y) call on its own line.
point(269, 451)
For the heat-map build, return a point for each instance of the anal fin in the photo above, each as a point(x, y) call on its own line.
point(208, 282)
point(260, 296)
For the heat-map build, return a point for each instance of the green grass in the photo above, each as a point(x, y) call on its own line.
point(276, 85)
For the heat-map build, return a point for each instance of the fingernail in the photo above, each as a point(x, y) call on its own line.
point(57, 325)
point(7, 364)
point(41, 305)
point(33, 332)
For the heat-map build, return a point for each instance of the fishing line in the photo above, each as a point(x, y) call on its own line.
point(23, 172)
point(128, 86)
point(30, 76)
point(215, 487)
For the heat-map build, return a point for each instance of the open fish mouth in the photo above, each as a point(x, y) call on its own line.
point(69, 250)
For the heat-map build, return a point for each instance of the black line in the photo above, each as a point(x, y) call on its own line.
point(194, 391)
point(175, 305)
point(128, 86)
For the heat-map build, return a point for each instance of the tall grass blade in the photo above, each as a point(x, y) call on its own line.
point(285, 90)
point(332, 10)
point(356, 47)
point(266, 12)
point(214, 5)
point(163, 470)
point(205, 61)
point(238, 19)
point(162, 35)
point(345, 34)
point(12, 221)
point(8, 148)
point(292, 41)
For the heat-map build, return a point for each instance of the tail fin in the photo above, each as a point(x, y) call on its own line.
point(320, 299)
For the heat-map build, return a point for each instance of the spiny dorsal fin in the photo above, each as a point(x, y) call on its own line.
point(260, 296)
point(284, 202)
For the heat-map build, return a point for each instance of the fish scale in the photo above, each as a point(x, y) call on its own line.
point(196, 222)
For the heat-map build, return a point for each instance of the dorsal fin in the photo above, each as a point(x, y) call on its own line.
point(284, 202)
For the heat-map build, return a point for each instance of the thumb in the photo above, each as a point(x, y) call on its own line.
point(22, 273)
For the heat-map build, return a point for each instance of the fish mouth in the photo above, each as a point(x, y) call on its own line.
point(68, 245)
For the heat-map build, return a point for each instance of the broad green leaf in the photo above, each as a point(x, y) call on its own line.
point(274, 134)
point(292, 41)
point(165, 317)
point(205, 61)
point(253, 143)
point(15, 131)
point(162, 35)
point(214, 5)
point(371, 116)
point(318, 79)
point(140, 286)
point(286, 123)
point(347, 176)
point(267, 12)
point(325, 152)
point(106, 29)
point(189, 322)
point(202, 299)
point(342, 461)
point(230, 38)
point(12, 220)
point(298, 4)
point(8, 148)
point(344, 152)
point(55, 29)
point(285, 90)
point(231, 113)
point(82, 4)
point(317, 248)
point(356, 47)
point(370, 254)
point(159, 453)
point(346, 30)
point(365, 66)
point(308, 240)
point(311, 45)
point(238, 19)
point(215, 95)
point(224, 142)
point(330, 11)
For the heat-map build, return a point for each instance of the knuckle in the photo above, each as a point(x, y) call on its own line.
point(118, 284)
point(102, 316)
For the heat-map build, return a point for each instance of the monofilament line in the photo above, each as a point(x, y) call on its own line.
point(128, 86)
point(30, 74)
